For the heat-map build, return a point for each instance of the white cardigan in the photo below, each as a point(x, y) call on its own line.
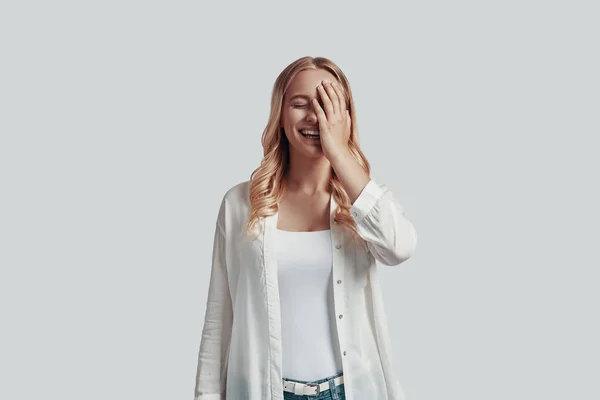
point(240, 349)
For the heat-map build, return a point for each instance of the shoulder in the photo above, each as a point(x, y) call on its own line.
point(235, 203)
point(238, 194)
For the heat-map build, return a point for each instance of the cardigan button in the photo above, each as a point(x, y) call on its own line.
point(339, 281)
point(355, 214)
point(341, 315)
point(337, 246)
point(344, 352)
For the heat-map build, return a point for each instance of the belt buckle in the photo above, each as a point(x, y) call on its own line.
point(315, 385)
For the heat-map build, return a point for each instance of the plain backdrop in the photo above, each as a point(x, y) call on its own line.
point(123, 124)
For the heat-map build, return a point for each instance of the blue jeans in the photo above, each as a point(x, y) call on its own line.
point(333, 393)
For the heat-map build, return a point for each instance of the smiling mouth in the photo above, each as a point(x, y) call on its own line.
point(311, 134)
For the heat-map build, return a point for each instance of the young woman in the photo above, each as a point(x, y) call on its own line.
point(294, 308)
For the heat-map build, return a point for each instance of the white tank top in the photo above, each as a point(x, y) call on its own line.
point(310, 346)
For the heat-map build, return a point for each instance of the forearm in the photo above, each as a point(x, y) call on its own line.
point(350, 173)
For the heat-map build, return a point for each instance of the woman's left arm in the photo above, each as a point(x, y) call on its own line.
point(381, 222)
point(379, 216)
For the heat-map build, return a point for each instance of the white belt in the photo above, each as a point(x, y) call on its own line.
point(309, 388)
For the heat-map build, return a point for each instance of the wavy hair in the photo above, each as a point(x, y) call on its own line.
point(267, 183)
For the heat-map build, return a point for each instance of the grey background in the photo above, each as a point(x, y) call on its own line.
point(123, 124)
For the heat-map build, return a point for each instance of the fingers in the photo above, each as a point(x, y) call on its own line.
point(333, 95)
point(341, 98)
point(327, 103)
point(333, 99)
point(319, 111)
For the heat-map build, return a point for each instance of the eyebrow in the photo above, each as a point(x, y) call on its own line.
point(300, 95)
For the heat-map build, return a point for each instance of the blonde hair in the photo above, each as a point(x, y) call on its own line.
point(266, 182)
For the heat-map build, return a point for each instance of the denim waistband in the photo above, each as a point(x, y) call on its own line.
point(318, 380)
point(333, 392)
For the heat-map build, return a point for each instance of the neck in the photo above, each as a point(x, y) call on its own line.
point(308, 176)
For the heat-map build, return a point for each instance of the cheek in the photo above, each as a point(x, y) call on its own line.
point(296, 116)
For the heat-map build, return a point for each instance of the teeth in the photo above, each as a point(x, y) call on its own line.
point(307, 132)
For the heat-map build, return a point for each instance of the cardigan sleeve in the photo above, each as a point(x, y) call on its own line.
point(211, 376)
point(381, 222)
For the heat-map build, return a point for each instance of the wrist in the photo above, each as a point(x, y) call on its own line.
point(341, 155)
